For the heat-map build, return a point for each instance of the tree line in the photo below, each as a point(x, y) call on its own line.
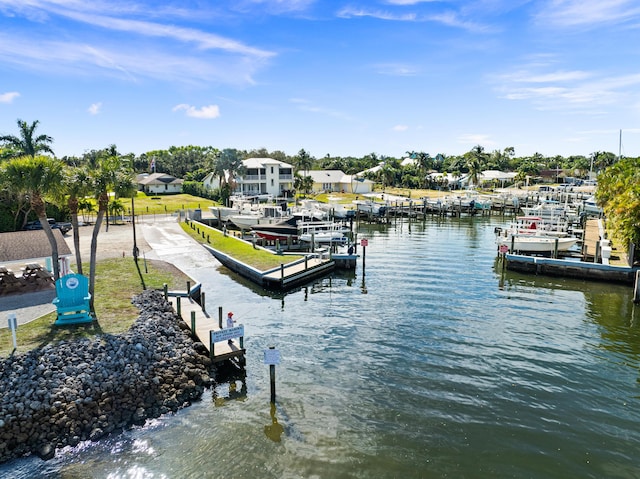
point(67, 182)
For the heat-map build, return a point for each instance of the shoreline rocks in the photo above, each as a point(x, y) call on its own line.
point(85, 389)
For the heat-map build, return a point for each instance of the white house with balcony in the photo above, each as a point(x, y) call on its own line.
point(262, 176)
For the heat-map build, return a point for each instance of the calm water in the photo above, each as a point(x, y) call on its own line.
point(429, 364)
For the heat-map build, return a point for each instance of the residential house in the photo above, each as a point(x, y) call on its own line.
point(262, 176)
point(159, 183)
point(337, 181)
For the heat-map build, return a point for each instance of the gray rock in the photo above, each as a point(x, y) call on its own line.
point(64, 393)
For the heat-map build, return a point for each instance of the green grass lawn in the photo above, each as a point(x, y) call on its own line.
point(117, 281)
point(240, 250)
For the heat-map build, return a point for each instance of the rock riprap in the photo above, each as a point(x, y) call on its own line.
point(74, 391)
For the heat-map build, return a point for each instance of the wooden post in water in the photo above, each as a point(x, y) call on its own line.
point(165, 289)
point(220, 317)
point(203, 302)
point(193, 323)
point(555, 248)
point(636, 288)
point(364, 258)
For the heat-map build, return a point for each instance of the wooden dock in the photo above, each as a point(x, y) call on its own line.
point(207, 329)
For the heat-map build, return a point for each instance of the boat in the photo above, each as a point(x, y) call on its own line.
point(337, 210)
point(263, 215)
point(536, 225)
point(536, 243)
point(282, 231)
point(369, 207)
point(590, 207)
point(222, 213)
point(322, 232)
point(310, 210)
point(550, 209)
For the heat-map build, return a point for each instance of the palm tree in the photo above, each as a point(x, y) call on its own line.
point(76, 184)
point(476, 159)
point(303, 161)
point(227, 166)
point(37, 177)
point(26, 144)
point(108, 174)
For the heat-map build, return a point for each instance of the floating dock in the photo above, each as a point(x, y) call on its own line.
point(285, 276)
point(570, 269)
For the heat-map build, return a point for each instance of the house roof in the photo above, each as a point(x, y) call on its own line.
point(159, 179)
point(326, 176)
point(24, 245)
point(261, 162)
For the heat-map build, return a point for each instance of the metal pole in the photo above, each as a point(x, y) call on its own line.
point(272, 379)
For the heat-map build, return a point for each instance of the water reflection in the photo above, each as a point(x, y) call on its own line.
point(274, 430)
point(227, 377)
point(608, 306)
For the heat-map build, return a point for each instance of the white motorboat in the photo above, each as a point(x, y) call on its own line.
point(262, 215)
point(591, 207)
point(551, 209)
point(527, 243)
point(322, 232)
point(369, 207)
point(535, 225)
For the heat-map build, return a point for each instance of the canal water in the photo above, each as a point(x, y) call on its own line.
point(431, 362)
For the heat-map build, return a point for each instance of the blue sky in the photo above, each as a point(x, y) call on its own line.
point(344, 78)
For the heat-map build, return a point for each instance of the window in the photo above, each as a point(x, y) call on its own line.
point(272, 170)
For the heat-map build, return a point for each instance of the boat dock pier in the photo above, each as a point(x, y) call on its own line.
point(189, 305)
point(596, 263)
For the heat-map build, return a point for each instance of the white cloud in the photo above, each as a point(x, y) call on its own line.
point(548, 88)
point(400, 128)
point(95, 108)
point(449, 18)
point(85, 59)
point(205, 112)
point(9, 96)
point(584, 13)
point(178, 53)
point(349, 12)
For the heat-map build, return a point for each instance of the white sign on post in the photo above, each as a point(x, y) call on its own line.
point(227, 333)
point(271, 357)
